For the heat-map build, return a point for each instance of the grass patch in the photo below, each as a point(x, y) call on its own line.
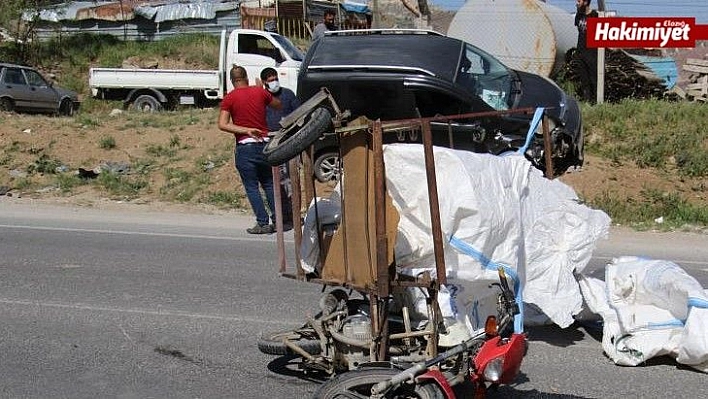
point(144, 166)
point(107, 142)
point(96, 106)
point(214, 159)
point(67, 182)
point(175, 141)
point(196, 49)
point(651, 133)
point(227, 199)
point(86, 121)
point(6, 159)
point(125, 186)
point(158, 150)
point(44, 165)
point(654, 209)
point(24, 183)
point(182, 185)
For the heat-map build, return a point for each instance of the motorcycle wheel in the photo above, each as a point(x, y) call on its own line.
point(288, 144)
point(358, 384)
point(304, 337)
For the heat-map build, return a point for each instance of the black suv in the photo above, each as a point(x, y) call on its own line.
point(401, 74)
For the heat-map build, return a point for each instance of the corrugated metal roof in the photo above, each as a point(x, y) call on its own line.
point(160, 10)
point(177, 11)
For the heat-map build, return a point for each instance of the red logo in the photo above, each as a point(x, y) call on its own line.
point(630, 32)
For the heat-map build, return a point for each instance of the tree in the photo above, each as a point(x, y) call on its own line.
point(19, 19)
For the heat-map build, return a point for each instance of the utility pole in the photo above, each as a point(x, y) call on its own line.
point(600, 95)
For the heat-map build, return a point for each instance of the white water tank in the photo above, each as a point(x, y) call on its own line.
point(528, 35)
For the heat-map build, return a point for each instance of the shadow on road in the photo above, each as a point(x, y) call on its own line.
point(289, 366)
point(508, 392)
point(564, 337)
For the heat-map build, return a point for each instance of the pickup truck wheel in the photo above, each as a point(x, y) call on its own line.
point(289, 143)
point(146, 103)
point(6, 105)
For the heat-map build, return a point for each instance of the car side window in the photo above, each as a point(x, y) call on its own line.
point(254, 44)
point(35, 79)
point(14, 76)
point(431, 103)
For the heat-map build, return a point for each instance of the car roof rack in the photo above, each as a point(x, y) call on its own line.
point(386, 31)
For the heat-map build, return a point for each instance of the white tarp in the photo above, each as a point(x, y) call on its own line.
point(650, 308)
point(495, 211)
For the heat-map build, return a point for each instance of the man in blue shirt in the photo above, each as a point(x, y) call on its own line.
point(289, 102)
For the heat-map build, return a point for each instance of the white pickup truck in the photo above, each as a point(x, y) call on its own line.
point(156, 89)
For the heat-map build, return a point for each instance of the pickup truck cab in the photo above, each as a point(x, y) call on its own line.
point(400, 74)
point(156, 89)
point(255, 50)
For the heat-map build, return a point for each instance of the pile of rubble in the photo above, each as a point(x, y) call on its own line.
point(697, 87)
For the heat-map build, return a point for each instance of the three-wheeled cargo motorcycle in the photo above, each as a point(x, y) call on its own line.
point(363, 338)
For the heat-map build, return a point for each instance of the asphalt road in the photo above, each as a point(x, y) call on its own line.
point(125, 304)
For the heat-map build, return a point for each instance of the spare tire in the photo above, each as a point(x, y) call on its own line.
point(288, 143)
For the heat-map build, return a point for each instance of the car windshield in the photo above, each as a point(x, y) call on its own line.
point(292, 51)
point(485, 76)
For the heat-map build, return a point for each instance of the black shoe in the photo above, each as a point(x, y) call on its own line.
point(258, 229)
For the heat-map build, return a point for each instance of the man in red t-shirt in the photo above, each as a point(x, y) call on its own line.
point(243, 114)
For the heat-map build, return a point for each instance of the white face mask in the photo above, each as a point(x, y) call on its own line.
point(273, 86)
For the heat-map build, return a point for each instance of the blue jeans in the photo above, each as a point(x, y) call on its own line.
point(255, 172)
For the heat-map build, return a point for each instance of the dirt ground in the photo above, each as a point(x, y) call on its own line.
point(202, 149)
point(27, 139)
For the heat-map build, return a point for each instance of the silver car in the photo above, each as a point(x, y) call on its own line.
point(22, 88)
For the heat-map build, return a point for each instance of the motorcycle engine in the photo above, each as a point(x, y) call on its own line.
point(354, 348)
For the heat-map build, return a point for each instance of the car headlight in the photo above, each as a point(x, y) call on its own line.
point(493, 370)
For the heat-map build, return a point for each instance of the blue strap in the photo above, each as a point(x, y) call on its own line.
point(489, 264)
point(665, 324)
point(532, 128)
point(697, 303)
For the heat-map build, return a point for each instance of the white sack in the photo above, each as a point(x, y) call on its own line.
point(650, 308)
point(494, 211)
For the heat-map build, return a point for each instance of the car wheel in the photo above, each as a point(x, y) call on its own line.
point(66, 107)
point(327, 166)
point(147, 103)
point(6, 105)
point(289, 143)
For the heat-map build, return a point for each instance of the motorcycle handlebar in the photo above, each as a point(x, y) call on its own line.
point(418, 368)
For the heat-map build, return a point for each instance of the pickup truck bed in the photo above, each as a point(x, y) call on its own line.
point(175, 79)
